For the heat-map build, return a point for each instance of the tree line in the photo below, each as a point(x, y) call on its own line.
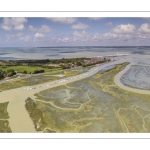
point(8, 73)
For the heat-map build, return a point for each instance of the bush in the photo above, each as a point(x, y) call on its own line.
point(38, 71)
point(25, 72)
point(10, 72)
point(1, 76)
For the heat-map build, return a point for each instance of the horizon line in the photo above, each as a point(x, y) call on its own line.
point(65, 46)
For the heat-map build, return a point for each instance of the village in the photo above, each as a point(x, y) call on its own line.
point(85, 62)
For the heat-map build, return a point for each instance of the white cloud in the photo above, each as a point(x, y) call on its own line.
point(106, 36)
point(19, 27)
point(65, 20)
point(65, 39)
point(79, 26)
point(13, 36)
point(43, 28)
point(25, 38)
point(19, 34)
point(32, 28)
point(81, 36)
point(16, 23)
point(109, 24)
point(39, 35)
point(96, 18)
point(124, 28)
point(111, 37)
point(144, 29)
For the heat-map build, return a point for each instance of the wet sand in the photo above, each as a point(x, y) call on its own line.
point(118, 83)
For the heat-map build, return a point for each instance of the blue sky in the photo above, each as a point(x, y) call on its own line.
point(68, 31)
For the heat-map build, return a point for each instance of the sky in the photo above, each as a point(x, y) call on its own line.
point(68, 31)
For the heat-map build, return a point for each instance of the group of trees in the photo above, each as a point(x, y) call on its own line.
point(11, 72)
point(8, 73)
point(38, 71)
point(1, 74)
point(73, 60)
point(35, 72)
point(24, 72)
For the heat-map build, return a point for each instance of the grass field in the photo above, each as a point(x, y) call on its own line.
point(27, 68)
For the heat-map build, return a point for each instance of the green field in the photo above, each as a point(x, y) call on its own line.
point(27, 68)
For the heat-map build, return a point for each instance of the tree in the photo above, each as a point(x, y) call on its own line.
point(25, 72)
point(1, 76)
point(38, 71)
point(78, 63)
point(10, 72)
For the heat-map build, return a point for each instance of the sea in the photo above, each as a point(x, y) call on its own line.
point(18, 53)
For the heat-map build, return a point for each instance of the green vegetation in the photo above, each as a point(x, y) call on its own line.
point(94, 104)
point(38, 115)
point(4, 124)
point(68, 60)
point(69, 73)
point(30, 81)
point(11, 67)
point(3, 110)
point(41, 62)
point(38, 71)
point(39, 79)
point(7, 73)
point(27, 69)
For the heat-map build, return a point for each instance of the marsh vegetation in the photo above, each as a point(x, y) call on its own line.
point(4, 123)
point(94, 104)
